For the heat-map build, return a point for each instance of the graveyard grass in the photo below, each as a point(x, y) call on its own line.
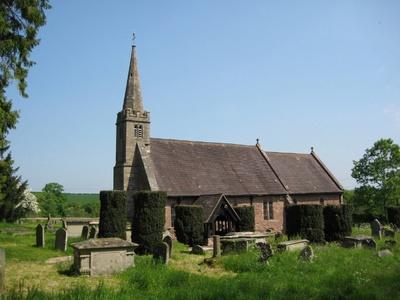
point(335, 273)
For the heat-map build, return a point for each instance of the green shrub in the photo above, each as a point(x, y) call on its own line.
point(347, 211)
point(337, 221)
point(306, 221)
point(112, 214)
point(188, 225)
point(246, 215)
point(393, 213)
point(148, 220)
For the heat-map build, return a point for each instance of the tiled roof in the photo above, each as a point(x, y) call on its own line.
point(303, 173)
point(184, 168)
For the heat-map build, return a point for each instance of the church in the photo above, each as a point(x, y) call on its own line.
point(216, 176)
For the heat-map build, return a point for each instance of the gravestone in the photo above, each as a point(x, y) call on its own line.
point(384, 253)
point(92, 232)
point(265, 251)
point(387, 232)
point(390, 243)
point(64, 224)
point(307, 254)
point(216, 245)
point(359, 241)
point(2, 270)
point(162, 252)
point(85, 232)
point(40, 236)
point(197, 249)
point(61, 239)
point(168, 239)
point(49, 223)
point(376, 229)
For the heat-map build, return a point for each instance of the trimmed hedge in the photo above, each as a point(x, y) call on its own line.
point(148, 220)
point(246, 215)
point(393, 213)
point(337, 221)
point(112, 214)
point(188, 225)
point(306, 221)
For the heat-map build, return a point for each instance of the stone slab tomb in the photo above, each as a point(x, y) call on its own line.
point(293, 245)
point(359, 241)
point(40, 241)
point(103, 256)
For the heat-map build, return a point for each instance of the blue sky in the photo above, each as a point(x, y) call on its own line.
point(295, 74)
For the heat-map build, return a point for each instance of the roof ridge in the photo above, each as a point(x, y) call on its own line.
point(203, 142)
point(280, 152)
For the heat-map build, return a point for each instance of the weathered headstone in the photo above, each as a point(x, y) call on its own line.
point(40, 241)
point(307, 254)
point(2, 270)
point(390, 243)
point(49, 223)
point(376, 229)
point(387, 232)
point(92, 232)
point(61, 239)
point(216, 245)
point(85, 232)
point(64, 224)
point(162, 253)
point(197, 249)
point(168, 239)
point(384, 253)
point(265, 251)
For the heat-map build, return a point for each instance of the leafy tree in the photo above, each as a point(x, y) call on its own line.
point(52, 200)
point(19, 24)
point(378, 176)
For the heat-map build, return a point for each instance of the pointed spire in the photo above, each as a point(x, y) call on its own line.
point(133, 94)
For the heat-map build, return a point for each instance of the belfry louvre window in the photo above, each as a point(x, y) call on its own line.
point(268, 210)
point(138, 131)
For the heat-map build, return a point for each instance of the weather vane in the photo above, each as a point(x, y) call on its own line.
point(133, 38)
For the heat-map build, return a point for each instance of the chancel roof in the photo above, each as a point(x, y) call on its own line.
point(303, 173)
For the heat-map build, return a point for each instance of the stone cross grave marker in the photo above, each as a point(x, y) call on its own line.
point(40, 241)
point(85, 232)
point(162, 252)
point(64, 224)
point(92, 232)
point(265, 251)
point(167, 239)
point(376, 228)
point(216, 245)
point(307, 254)
point(61, 239)
point(2, 270)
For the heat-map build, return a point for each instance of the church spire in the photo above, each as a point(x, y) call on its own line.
point(133, 94)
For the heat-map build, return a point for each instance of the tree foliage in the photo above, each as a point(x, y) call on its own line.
point(52, 201)
point(378, 176)
point(19, 24)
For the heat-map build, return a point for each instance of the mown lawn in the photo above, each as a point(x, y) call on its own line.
point(335, 273)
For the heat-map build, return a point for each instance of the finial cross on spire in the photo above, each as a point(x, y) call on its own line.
point(133, 38)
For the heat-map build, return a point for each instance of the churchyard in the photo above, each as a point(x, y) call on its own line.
point(335, 272)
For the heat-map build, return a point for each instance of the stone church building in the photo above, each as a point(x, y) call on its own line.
point(217, 176)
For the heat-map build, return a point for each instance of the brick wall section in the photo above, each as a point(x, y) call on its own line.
point(328, 199)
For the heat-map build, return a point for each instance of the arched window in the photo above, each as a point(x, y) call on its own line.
point(138, 131)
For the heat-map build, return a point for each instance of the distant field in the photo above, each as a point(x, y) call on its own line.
point(78, 198)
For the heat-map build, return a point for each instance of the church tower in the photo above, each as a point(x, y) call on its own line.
point(132, 136)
